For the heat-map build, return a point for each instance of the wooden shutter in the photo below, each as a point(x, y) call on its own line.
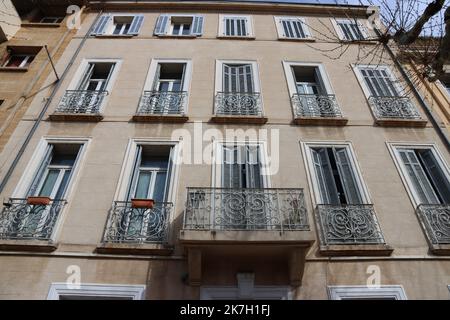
point(324, 176)
point(100, 26)
point(197, 25)
point(39, 173)
point(161, 24)
point(347, 176)
point(136, 24)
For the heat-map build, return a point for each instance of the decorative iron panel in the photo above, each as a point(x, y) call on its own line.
point(81, 101)
point(138, 225)
point(393, 107)
point(312, 105)
point(348, 224)
point(436, 220)
point(20, 220)
point(245, 209)
point(238, 103)
point(162, 102)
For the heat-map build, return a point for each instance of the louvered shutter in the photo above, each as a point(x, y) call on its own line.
point(100, 26)
point(136, 24)
point(347, 176)
point(161, 24)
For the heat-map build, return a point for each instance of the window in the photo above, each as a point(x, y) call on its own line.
point(235, 26)
point(378, 81)
point(308, 80)
point(238, 78)
point(96, 76)
point(350, 29)
point(19, 61)
point(336, 180)
point(366, 293)
point(169, 77)
point(425, 173)
point(241, 166)
point(63, 291)
point(110, 24)
point(55, 171)
point(179, 25)
point(150, 178)
point(51, 20)
point(292, 28)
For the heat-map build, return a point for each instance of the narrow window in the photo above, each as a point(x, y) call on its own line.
point(181, 26)
point(238, 78)
point(169, 77)
point(308, 80)
point(350, 29)
point(96, 76)
point(242, 167)
point(293, 28)
point(427, 177)
point(379, 82)
point(445, 80)
point(335, 176)
point(236, 27)
point(19, 60)
point(122, 24)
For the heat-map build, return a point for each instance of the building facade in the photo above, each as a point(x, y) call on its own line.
point(214, 150)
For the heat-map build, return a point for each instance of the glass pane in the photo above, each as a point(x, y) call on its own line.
point(176, 86)
point(143, 185)
point(49, 183)
point(164, 86)
point(176, 29)
point(187, 29)
point(118, 28)
point(160, 183)
point(63, 185)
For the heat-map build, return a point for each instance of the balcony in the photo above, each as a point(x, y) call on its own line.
point(238, 107)
point(435, 221)
point(137, 230)
point(245, 226)
point(350, 229)
point(162, 106)
point(312, 109)
point(395, 111)
point(27, 226)
point(79, 105)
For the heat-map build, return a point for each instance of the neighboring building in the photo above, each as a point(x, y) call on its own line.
point(27, 27)
point(112, 187)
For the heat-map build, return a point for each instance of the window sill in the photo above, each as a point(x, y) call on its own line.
point(321, 121)
point(440, 249)
point(28, 245)
point(237, 37)
point(356, 250)
point(160, 118)
point(297, 39)
point(169, 36)
point(75, 117)
point(415, 123)
point(40, 25)
point(135, 248)
point(237, 119)
point(114, 36)
point(13, 69)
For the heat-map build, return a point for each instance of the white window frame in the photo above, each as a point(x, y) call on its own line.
point(394, 146)
point(34, 163)
point(186, 86)
point(126, 173)
point(396, 292)
point(82, 68)
point(335, 22)
point(249, 26)
point(217, 160)
point(60, 289)
point(311, 173)
point(292, 87)
point(171, 24)
point(23, 63)
point(357, 70)
point(280, 30)
point(110, 26)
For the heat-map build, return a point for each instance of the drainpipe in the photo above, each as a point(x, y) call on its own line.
point(44, 109)
point(431, 116)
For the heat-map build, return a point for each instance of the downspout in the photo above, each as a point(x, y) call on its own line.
point(44, 109)
point(429, 113)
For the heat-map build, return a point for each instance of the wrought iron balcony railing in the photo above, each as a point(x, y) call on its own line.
point(348, 224)
point(20, 220)
point(393, 107)
point(162, 102)
point(127, 224)
point(238, 103)
point(81, 102)
point(314, 105)
point(245, 209)
point(436, 220)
